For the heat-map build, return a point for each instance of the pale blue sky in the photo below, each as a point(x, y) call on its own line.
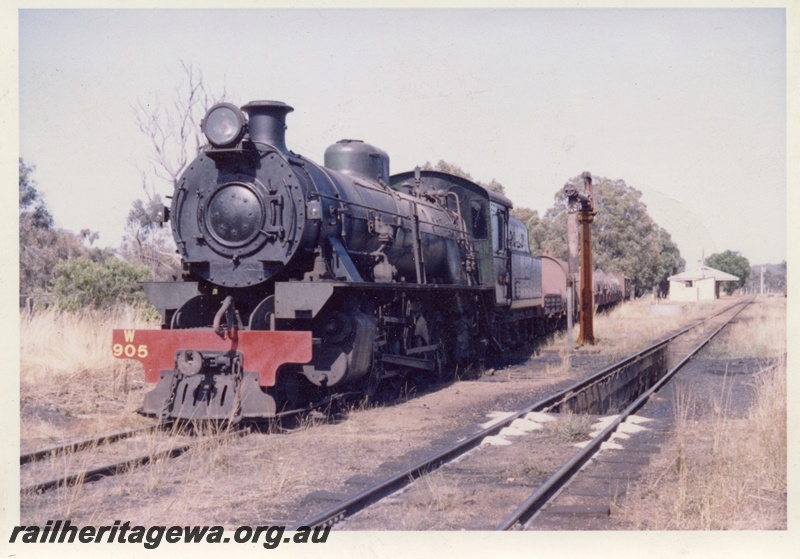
point(688, 106)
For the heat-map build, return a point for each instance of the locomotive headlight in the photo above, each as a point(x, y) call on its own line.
point(223, 125)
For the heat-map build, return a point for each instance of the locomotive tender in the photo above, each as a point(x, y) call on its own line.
point(303, 280)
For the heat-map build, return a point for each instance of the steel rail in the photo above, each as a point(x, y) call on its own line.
point(100, 472)
point(37, 455)
point(549, 488)
point(124, 466)
point(563, 395)
point(376, 492)
point(94, 474)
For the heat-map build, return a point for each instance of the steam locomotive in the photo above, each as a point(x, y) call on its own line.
point(303, 280)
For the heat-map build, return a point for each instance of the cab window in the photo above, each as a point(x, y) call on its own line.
point(478, 215)
point(498, 228)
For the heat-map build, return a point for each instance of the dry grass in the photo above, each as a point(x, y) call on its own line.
point(66, 364)
point(61, 345)
point(726, 475)
point(528, 465)
point(431, 502)
point(726, 472)
point(630, 327)
point(760, 333)
point(70, 385)
point(633, 326)
point(570, 427)
point(435, 494)
point(181, 483)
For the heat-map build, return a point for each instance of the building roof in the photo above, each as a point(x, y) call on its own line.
point(703, 272)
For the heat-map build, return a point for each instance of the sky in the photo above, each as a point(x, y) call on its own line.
point(688, 106)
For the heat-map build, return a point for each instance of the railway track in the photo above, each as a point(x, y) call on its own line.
point(557, 402)
point(120, 466)
point(75, 446)
point(578, 396)
point(91, 451)
point(534, 503)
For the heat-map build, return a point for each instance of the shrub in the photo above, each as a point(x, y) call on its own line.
point(82, 283)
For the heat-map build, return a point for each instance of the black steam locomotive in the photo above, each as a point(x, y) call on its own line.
point(302, 280)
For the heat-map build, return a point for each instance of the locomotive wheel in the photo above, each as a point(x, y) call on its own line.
point(261, 317)
point(419, 334)
point(372, 382)
point(430, 329)
point(416, 333)
point(297, 391)
point(463, 338)
point(443, 370)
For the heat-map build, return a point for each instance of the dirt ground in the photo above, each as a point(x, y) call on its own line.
point(289, 474)
point(284, 476)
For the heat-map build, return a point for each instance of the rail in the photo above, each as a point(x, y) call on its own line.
point(75, 446)
point(382, 489)
point(549, 488)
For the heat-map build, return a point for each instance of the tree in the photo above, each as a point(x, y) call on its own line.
point(625, 239)
point(147, 242)
point(32, 208)
point(774, 278)
point(732, 263)
point(670, 261)
point(173, 132)
point(453, 169)
point(173, 127)
point(83, 283)
point(42, 246)
point(537, 228)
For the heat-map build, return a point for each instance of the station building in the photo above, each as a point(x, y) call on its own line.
point(701, 284)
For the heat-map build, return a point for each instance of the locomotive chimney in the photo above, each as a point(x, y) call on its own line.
point(267, 123)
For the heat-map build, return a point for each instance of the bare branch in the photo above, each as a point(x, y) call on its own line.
point(172, 128)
